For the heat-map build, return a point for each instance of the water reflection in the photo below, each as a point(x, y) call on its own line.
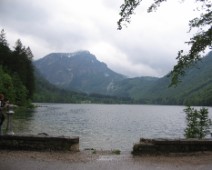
point(22, 118)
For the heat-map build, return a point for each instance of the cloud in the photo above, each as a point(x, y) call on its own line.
point(147, 47)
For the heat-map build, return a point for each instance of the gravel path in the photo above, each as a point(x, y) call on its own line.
point(104, 160)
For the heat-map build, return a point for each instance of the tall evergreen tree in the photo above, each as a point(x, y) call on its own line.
point(29, 53)
point(5, 52)
point(3, 40)
point(30, 73)
point(17, 73)
point(23, 57)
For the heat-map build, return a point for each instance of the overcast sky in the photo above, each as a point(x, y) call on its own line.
point(148, 46)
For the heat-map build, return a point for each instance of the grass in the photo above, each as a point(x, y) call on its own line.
point(116, 151)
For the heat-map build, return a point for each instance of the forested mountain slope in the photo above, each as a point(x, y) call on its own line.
point(47, 92)
point(195, 88)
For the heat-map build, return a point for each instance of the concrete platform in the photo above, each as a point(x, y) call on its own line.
point(157, 146)
point(39, 143)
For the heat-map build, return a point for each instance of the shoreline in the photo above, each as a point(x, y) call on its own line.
point(104, 160)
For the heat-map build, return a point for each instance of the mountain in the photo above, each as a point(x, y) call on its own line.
point(79, 71)
point(47, 92)
point(133, 87)
point(195, 88)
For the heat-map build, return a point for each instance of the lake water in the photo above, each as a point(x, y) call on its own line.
point(102, 126)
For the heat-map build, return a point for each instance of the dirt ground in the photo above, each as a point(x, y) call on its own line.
point(104, 160)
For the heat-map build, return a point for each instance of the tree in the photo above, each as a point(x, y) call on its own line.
point(4, 49)
point(29, 53)
point(17, 80)
point(3, 40)
point(22, 58)
point(6, 85)
point(199, 42)
point(204, 123)
point(20, 91)
point(197, 123)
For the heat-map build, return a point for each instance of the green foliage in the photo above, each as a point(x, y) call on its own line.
point(204, 122)
point(116, 152)
point(192, 129)
point(22, 59)
point(16, 72)
point(127, 9)
point(6, 85)
point(198, 43)
point(20, 91)
point(197, 123)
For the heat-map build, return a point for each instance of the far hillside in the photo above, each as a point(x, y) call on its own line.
point(46, 92)
point(83, 73)
point(194, 89)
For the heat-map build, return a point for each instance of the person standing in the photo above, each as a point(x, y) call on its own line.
point(3, 105)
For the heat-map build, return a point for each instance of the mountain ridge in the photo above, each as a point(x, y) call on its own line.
point(195, 88)
point(79, 71)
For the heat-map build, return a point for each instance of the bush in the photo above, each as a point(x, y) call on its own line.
point(198, 123)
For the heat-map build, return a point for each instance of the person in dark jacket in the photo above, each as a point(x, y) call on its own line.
point(2, 106)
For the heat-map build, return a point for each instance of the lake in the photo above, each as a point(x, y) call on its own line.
point(103, 126)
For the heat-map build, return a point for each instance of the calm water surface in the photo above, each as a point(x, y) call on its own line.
point(102, 126)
